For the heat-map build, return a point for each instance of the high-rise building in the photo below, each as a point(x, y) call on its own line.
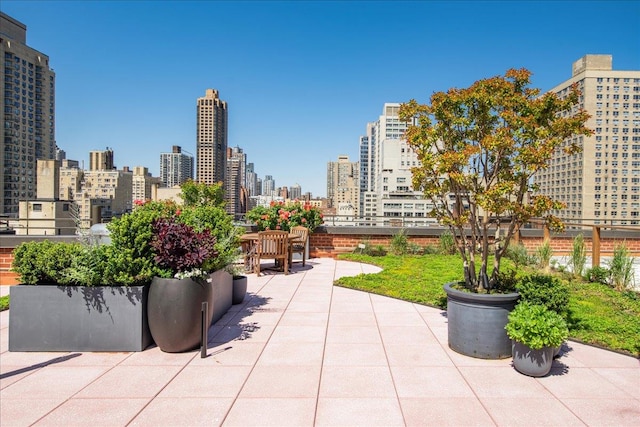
point(143, 184)
point(601, 184)
point(295, 192)
point(27, 115)
point(175, 167)
point(388, 196)
point(211, 138)
point(343, 187)
point(234, 184)
point(101, 160)
point(268, 186)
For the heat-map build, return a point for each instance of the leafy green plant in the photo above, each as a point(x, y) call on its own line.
point(42, 262)
point(447, 243)
point(597, 274)
point(414, 248)
point(536, 326)
point(519, 255)
point(621, 268)
point(544, 254)
point(399, 242)
point(4, 303)
point(546, 290)
point(578, 257)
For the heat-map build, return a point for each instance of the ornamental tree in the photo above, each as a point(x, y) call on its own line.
point(479, 148)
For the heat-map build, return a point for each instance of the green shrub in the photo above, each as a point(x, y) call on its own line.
point(578, 257)
point(399, 243)
point(621, 268)
point(414, 248)
point(544, 254)
point(4, 303)
point(45, 262)
point(546, 290)
point(519, 255)
point(597, 274)
point(447, 243)
point(536, 327)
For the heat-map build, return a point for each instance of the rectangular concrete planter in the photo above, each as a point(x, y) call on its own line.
point(222, 284)
point(76, 318)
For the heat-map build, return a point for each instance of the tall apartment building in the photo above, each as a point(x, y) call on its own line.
point(602, 183)
point(27, 115)
point(101, 160)
point(211, 138)
point(295, 192)
point(235, 193)
point(268, 186)
point(343, 187)
point(175, 167)
point(388, 196)
point(143, 185)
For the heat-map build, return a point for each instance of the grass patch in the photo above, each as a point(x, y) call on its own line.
point(598, 314)
point(4, 303)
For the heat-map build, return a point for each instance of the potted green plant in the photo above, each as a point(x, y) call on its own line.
point(535, 331)
point(478, 149)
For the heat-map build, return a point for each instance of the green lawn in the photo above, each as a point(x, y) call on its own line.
point(4, 303)
point(598, 314)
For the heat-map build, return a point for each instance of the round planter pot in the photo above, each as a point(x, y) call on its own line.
point(239, 289)
point(476, 323)
point(535, 363)
point(175, 312)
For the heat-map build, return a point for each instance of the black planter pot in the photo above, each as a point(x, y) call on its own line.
point(239, 289)
point(175, 312)
point(476, 323)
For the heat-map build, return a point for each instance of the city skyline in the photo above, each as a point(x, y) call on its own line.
point(301, 79)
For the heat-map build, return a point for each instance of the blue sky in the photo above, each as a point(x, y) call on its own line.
point(302, 79)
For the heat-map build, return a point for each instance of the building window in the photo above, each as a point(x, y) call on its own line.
point(37, 207)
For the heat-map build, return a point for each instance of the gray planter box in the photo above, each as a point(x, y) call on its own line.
point(222, 283)
point(75, 318)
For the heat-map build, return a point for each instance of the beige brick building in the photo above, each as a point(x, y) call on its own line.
point(211, 135)
point(602, 183)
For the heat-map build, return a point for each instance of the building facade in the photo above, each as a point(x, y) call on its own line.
point(27, 115)
point(343, 188)
point(211, 138)
point(175, 167)
point(388, 196)
point(601, 184)
point(235, 192)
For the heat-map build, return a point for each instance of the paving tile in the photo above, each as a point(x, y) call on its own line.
point(234, 353)
point(62, 382)
point(279, 381)
point(183, 411)
point(353, 334)
point(309, 306)
point(94, 412)
point(298, 334)
point(438, 411)
point(291, 353)
point(627, 379)
point(606, 411)
point(251, 331)
point(11, 374)
point(399, 318)
point(581, 383)
point(263, 412)
point(153, 356)
point(207, 381)
point(354, 354)
point(304, 319)
point(423, 381)
point(407, 335)
point(356, 381)
point(129, 382)
point(496, 382)
point(26, 411)
point(352, 319)
point(537, 411)
point(417, 355)
point(35, 359)
point(599, 358)
point(363, 411)
point(95, 359)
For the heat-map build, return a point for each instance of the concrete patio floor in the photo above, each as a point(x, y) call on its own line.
point(302, 352)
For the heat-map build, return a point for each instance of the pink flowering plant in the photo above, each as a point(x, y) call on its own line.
point(284, 216)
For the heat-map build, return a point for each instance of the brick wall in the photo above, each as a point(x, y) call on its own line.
point(331, 241)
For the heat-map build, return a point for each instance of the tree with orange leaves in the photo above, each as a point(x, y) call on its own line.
point(479, 148)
